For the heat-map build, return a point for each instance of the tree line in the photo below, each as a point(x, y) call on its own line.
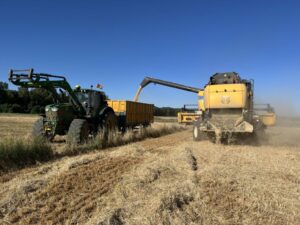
point(23, 100)
point(166, 111)
point(34, 101)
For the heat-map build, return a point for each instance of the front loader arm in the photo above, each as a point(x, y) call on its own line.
point(45, 81)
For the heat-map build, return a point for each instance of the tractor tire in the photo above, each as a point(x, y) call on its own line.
point(38, 130)
point(196, 133)
point(109, 124)
point(78, 131)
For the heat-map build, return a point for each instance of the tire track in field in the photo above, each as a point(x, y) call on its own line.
point(73, 195)
point(70, 196)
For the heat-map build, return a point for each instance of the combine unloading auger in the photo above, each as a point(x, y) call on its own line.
point(149, 80)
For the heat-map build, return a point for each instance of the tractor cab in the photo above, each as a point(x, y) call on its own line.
point(91, 100)
point(225, 78)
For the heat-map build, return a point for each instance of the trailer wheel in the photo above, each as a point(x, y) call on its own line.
point(38, 130)
point(78, 131)
point(196, 133)
point(146, 125)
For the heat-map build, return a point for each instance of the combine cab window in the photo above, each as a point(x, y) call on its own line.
point(225, 78)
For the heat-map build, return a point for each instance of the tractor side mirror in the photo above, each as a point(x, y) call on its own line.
point(85, 104)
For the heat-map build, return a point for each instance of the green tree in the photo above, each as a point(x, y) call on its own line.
point(24, 99)
point(40, 97)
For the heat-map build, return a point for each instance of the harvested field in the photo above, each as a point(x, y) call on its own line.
point(21, 124)
point(165, 180)
point(17, 126)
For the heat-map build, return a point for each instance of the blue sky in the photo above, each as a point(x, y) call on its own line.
point(118, 43)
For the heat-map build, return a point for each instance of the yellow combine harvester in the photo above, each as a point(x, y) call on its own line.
point(188, 115)
point(226, 106)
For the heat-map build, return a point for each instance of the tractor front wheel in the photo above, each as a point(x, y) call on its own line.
point(38, 130)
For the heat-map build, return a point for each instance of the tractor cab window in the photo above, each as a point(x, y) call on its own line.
point(82, 97)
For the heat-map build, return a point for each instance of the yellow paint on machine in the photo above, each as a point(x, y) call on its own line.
point(268, 119)
point(224, 96)
point(135, 112)
point(201, 105)
point(187, 117)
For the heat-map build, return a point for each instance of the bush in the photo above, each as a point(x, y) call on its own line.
point(15, 108)
point(4, 108)
point(166, 111)
point(25, 100)
point(20, 152)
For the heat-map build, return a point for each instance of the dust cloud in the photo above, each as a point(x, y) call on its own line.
point(286, 133)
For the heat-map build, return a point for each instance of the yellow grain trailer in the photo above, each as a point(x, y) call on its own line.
point(131, 114)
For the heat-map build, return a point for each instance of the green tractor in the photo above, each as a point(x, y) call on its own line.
point(84, 115)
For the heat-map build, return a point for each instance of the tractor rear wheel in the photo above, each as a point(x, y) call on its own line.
point(78, 131)
point(109, 124)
